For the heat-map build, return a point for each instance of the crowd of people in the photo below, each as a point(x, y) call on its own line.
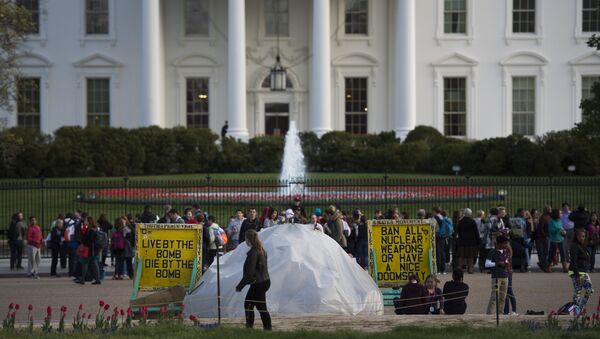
point(492, 241)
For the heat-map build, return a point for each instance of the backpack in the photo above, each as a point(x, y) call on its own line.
point(446, 228)
point(220, 236)
point(118, 241)
point(101, 240)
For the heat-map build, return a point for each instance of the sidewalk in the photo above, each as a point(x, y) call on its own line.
point(6, 272)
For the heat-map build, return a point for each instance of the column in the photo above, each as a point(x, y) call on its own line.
point(236, 70)
point(404, 77)
point(152, 93)
point(320, 80)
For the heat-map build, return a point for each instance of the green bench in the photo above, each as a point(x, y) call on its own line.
point(389, 295)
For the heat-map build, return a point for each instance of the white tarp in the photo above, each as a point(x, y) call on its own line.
point(310, 274)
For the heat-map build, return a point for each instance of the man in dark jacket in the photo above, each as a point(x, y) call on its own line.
point(542, 243)
point(580, 218)
point(55, 243)
point(250, 223)
point(147, 216)
point(468, 240)
point(455, 292)
point(413, 298)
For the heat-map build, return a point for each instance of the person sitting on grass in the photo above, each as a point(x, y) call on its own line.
point(434, 295)
point(413, 298)
point(455, 292)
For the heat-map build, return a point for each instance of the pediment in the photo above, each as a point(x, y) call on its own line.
point(195, 61)
point(590, 58)
point(524, 59)
point(33, 60)
point(355, 59)
point(97, 60)
point(455, 59)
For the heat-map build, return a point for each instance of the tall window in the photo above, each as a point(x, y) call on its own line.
point(357, 17)
point(28, 102)
point(523, 105)
point(197, 101)
point(591, 16)
point(455, 16)
point(197, 19)
point(455, 106)
point(98, 102)
point(277, 11)
point(356, 105)
point(33, 6)
point(587, 82)
point(524, 16)
point(96, 17)
point(586, 85)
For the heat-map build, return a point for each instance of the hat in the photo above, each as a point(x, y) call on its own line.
point(289, 213)
point(318, 212)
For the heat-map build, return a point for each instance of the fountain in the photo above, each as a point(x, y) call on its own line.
point(293, 170)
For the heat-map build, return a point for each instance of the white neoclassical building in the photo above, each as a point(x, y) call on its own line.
point(470, 68)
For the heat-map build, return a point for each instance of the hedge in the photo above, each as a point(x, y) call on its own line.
point(92, 151)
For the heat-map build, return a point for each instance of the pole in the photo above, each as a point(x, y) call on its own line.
point(497, 302)
point(218, 286)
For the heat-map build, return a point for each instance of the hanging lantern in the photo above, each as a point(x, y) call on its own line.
point(278, 76)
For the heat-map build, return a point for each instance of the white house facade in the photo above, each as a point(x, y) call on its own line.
point(472, 69)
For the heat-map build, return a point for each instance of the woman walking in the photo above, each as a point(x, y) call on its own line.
point(557, 235)
point(580, 262)
point(593, 230)
point(256, 274)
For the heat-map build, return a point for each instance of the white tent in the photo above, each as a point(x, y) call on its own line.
point(310, 274)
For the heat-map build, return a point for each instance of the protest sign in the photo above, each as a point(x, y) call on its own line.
point(399, 249)
point(166, 253)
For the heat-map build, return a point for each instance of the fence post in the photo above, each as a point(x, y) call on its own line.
point(43, 202)
point(208, 179)
point(125, 187)
point(385, 195)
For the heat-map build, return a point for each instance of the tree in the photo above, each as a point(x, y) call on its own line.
point(15, 23)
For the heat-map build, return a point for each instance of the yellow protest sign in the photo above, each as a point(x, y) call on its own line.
point(166, 253)
point(399, 249)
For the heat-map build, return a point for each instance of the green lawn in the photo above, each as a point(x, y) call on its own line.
point(513, 331)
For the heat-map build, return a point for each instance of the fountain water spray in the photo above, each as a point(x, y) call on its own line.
point(293, 171)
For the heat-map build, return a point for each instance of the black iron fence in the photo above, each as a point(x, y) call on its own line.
point(221, 197)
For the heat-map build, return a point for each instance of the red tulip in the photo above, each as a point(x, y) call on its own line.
point(106, 307)
point(30, 307)
point(122, 312)
point(89, 315)
point(193, 317)
point(13, 315)
point(587, 318)
point(17, 306)
point(11, 306)
point(49, 310)
point(116, 310)
point(80, 307)
point(584, 311)
point(63, 308)
point(129, 311)
point(101, 303)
